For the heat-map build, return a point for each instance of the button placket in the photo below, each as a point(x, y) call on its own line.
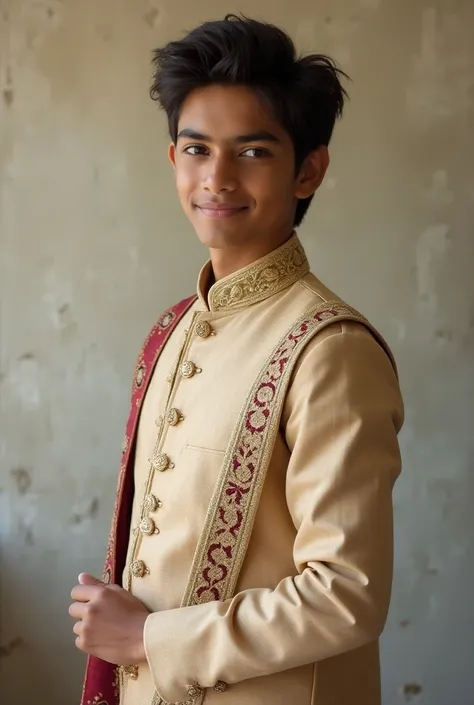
point(160, 461)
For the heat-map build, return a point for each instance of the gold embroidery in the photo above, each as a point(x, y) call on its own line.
point(97, 700)
point(224, 539)
point(161, 462)
point(151, 503)
point(266, 277)
point(220, 687)
point(188, 369)
point(128, 672)
point(136, 543)
point(138, 569)
point(157, 700)
point(174, 417)
point(166, 319)
point(204, 330)
point(140, 376)
point(148, 527)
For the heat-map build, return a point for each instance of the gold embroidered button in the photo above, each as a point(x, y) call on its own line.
point(174, 416)
point(129, 671)
point(152, 503)
point(204, 330)
point(138, 569)
point(220, 687)
point(189, 369)
point(195, 690)
point(161, 462)
point(148, 527)
point(140, 376)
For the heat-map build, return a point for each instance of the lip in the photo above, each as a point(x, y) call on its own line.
point(220, 210)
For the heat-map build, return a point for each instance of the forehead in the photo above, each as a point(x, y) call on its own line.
point(227, 111)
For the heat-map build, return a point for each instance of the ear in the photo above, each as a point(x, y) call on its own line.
point(312, 172)
point(172, 154)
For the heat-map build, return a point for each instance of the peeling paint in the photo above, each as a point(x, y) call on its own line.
point(439, 195)
point(7, 650)
point(430, 250)
point(411, 691)
point(82, 513)
point(8, 96)
point(22, 479)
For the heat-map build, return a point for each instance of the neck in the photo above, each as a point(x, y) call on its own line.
point(226, 261)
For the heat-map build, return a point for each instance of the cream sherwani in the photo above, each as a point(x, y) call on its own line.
point(312, 596)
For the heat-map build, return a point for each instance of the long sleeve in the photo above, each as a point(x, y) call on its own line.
point(341, 418)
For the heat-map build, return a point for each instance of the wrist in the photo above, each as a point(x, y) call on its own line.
point(139, 648)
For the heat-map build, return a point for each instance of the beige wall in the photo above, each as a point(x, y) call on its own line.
point(94, 246)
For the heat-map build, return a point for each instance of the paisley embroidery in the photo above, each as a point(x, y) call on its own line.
point(223, 543)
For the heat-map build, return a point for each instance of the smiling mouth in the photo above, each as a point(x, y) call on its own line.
point(220, 211)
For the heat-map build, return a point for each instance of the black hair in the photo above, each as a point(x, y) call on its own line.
point(304, 93)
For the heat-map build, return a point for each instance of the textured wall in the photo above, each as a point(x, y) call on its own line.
point(93, 247)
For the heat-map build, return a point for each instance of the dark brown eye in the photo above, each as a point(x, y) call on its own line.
point(194, 149)
point(255, 152)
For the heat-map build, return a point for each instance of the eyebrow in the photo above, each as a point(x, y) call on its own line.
point(260, 136)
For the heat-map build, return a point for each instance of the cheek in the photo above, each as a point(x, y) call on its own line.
point(185, 182)
point(276, 188)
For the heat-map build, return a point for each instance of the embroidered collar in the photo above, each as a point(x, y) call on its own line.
point(267, 276)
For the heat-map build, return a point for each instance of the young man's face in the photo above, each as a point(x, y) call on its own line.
point(235, 170)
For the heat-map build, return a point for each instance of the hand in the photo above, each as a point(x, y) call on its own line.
point(111, 621)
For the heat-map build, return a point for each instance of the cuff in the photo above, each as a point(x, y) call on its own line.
point(180, 663)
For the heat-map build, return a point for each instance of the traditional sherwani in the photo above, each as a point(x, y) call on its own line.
point(263, 459)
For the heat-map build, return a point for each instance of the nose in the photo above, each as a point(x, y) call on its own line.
point(220, 175)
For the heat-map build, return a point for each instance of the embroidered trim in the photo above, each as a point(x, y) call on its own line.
point(97, 700)
point(223, 542)
point(100, 675)
point(157, 700)
point(159, 335)
point(266, 277)
point(225, 537)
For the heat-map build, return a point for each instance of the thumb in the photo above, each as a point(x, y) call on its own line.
point(88, 579)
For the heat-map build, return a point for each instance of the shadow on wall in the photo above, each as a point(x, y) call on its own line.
point(49, 668)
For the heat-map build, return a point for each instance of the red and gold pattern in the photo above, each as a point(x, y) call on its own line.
point(101, 679)
point(225, 537)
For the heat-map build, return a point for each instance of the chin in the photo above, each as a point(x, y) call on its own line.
point(218, 238)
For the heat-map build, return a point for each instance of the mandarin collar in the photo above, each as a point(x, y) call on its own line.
point(265, 277)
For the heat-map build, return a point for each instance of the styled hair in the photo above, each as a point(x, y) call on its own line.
point(304, 93)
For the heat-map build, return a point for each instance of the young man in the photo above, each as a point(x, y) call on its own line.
point(250, 557)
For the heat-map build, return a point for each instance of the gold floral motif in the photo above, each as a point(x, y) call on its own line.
point(148, 527)
point(204, 329)
point(138, 569)
point(266, 277)
point(194, 690)
point(174, 416)
point(220, 687)
point(151, 503)
point(161, 462)
point(129, 672)
point(188, 369)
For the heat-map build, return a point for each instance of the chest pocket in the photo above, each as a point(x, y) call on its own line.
point(199, 470)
